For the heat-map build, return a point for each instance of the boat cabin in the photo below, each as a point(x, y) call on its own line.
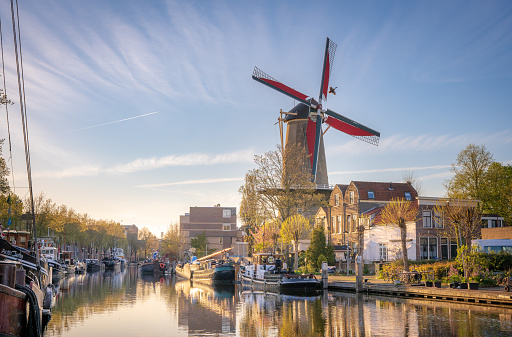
point(49, 253)
point(265, 263)
point(67, 258)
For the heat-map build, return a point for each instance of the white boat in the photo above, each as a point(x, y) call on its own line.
point(118, 254)
point(266, 273)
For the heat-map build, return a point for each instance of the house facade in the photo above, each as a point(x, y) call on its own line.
point(352, 220)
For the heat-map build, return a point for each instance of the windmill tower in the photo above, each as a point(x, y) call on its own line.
point(304, 121)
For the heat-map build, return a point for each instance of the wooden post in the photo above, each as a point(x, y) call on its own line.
point(325, 279)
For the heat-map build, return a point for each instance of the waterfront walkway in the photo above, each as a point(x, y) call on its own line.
point(494, 296)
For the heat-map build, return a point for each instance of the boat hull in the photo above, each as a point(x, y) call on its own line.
point(13, 312)
point(292, 284)
point(154, 267)
point(220, 274)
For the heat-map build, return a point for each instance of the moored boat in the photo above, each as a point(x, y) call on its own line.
point(213, 271)
point(111, 264)
point(94, 265)
point(152, 267)
point(266, 274)
point(26, 293)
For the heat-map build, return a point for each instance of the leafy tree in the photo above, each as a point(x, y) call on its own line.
point(318, 249)
point(398, 212)
point(497, 196)
point(295, 228)
point(470, 173)
point(172, 241)
point(144, 238)
point(266, 236)
point(200, 243)
point(4, 172)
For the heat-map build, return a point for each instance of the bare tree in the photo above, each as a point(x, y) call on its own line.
point(410, 178)
point(399, 212)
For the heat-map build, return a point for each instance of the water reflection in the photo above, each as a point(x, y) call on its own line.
point(130, 304)
point(206, 309)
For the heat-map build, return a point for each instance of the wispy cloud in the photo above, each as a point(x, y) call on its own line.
point(147, 164)
point(399, 143)
point(193, 159)
point(191, 182)
point(395, 169)
point(113, 122)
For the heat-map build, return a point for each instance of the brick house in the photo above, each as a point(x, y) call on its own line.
point(219, 224)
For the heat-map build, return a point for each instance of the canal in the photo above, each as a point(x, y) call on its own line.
point(128, 304)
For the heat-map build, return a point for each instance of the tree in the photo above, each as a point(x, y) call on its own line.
point(461, 220)
point(470, 173)
point(497, 196)
point(144, 238)
point(295, 228)
point(266, 236)
point(172, 241)
point(4, 173)
point(398, 212)
point(410, 178)
point(318, 249)
point(200, 243)
point(279, 187)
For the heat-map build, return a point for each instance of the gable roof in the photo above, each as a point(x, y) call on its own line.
point(342, 187)
point(384, 191)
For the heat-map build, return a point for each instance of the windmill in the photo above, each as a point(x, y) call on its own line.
point(305, 119)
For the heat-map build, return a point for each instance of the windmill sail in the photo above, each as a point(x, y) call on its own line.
point(316, 114)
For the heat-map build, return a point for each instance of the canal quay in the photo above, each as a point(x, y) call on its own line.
point(127, 303)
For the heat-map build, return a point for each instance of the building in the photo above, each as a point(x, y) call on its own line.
point(219, 225)
point(352, 220)
point(132, 234)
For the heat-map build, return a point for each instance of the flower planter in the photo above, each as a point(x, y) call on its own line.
point(454, 285)
point(464, 285)
point(437, 284)
point(429, 284)
point(473, 285)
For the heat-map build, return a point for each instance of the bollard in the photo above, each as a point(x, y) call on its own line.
point(325, 279)
point(359, 273)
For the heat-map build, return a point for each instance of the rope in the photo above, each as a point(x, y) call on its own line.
point(34, 317)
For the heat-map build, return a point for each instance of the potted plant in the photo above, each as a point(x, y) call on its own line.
point(472, 284)
point(429, 282)
point(437, 283)
point(464, 283)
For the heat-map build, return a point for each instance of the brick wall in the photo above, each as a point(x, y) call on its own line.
point(497, 233)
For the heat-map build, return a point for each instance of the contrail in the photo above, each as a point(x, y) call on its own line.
point(121, 120)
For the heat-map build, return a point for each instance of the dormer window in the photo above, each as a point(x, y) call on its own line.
point(408, 196)
point(371, 195)
point(351, 197)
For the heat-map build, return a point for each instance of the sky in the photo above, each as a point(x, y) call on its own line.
point(138, 111)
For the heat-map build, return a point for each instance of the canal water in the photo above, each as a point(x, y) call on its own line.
point(128, 304)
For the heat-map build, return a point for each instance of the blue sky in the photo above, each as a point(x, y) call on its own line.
point(139, 110)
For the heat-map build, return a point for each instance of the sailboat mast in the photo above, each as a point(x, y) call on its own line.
point(21, 91)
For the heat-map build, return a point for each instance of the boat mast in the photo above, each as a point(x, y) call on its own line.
point(21, 91)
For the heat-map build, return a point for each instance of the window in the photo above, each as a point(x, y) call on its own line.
point(408, 196)
point(23, 239)
point(351, 197)
point(336, 200)
point(383, 252)
point(226, 213)
point(226, 227)
point(299, 210)
point(428, 248)
point(371, 195)
point(438, 221)
point(221, 240)
point(338, 223)
point(349, 223)
point(427, 219)
point(496, 223)
point(333, 224)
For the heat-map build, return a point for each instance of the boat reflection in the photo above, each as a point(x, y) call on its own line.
point(206, 308)
point(264, 313)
